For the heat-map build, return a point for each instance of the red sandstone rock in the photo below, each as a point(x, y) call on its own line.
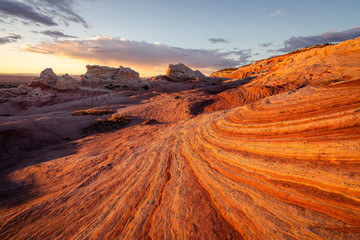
point(281, 162)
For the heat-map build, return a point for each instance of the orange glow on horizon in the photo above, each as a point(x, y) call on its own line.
point(19, 62)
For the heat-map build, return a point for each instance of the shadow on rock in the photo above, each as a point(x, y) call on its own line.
point(18, 150)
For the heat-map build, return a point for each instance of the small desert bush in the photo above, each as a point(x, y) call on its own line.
point(108, 124)
point(94, 112)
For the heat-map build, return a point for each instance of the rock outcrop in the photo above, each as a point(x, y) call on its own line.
point(181, 73)
point(95, 76)
point(323, 65)
point(49, 79)
point(101, 75)
point(66, 81)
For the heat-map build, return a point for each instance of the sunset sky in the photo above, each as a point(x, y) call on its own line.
point(148, 35)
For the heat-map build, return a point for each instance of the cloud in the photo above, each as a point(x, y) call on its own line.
point(275, 13)
point(56, 34)
point(10, 38)
point(268, 44)
point(218, 40)
point(111, 50)
point(328, 37)
point(39, 11)
point(243, 55)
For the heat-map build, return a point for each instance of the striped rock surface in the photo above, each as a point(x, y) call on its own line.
point(283, 167)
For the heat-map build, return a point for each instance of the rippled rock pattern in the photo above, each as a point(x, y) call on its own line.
point(283, 167)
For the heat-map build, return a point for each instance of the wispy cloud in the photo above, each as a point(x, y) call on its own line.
point(218, 40)
point(56, 34)
point(24, 11)
point(111, 50)
point(44, 12)
point(328, 37)
point(265, 45)
point(275, 13)
point(9, 38)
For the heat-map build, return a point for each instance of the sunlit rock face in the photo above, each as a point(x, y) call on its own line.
point(316, 66)
point(99, 75)
point(285, 165)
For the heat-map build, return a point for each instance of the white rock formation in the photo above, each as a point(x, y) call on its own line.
point(179, 73)
point(101, 75)
point(126, 73)
point(48, 76)
point(49, 79)
point(66, 81)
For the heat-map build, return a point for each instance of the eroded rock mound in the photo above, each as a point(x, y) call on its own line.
point(49, 79)
point(101, 75)
point(66, 81)
point(181, 73)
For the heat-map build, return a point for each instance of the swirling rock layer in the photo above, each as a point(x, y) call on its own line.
point(284, 167)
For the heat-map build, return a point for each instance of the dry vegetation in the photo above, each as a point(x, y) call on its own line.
point(109, 124)
point(94, 112)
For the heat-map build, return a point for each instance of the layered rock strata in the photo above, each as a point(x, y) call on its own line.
point(100, 75)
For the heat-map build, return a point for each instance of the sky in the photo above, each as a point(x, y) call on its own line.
point(149, 35)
